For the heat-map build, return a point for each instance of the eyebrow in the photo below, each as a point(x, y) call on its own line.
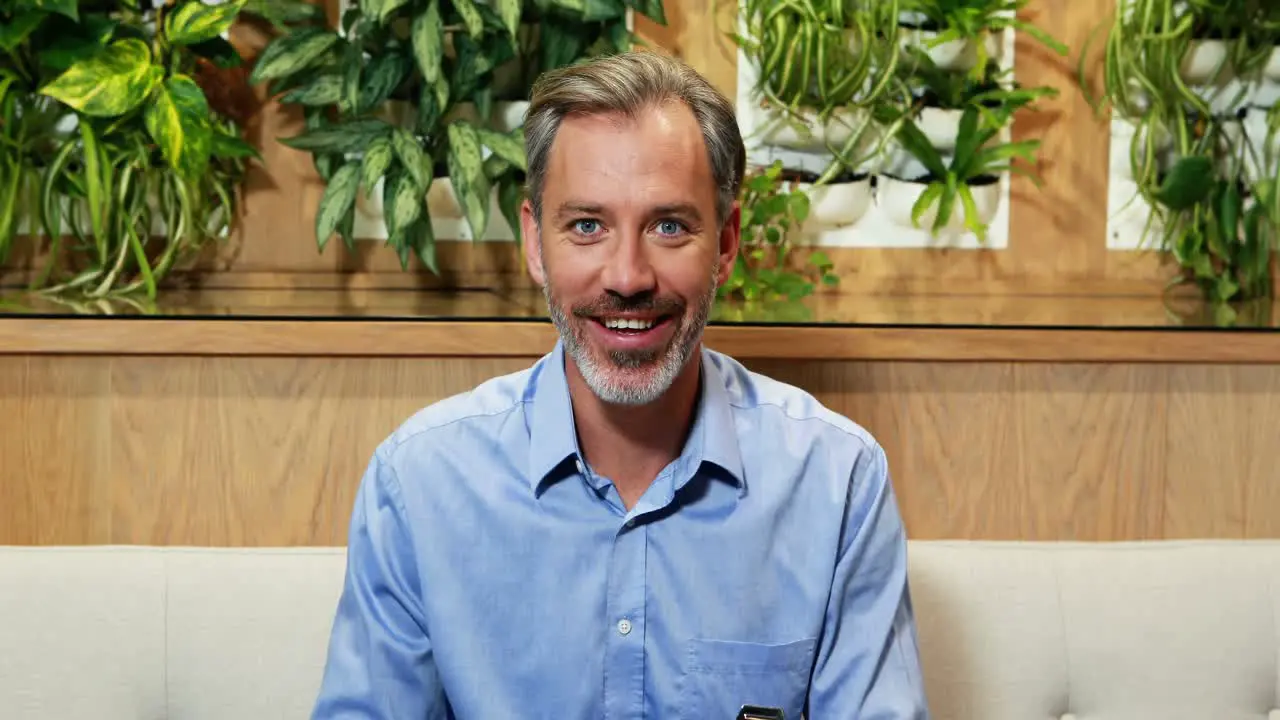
point(573, 207)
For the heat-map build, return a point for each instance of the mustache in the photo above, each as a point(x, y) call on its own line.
point(615, 304)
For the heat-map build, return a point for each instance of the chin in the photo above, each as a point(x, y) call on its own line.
point(622, 383)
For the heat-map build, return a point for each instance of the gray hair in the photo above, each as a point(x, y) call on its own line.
point(627, 83)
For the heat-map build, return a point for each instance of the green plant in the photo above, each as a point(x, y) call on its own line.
point(978, 156)
point(1190, 156)
point(973, 20)
point(109, 137)
point(771, 216)
point(994, 92)
point(448, 61)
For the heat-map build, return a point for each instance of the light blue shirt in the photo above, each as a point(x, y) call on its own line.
point(492, 575)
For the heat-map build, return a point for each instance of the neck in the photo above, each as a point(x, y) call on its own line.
point(631, 444)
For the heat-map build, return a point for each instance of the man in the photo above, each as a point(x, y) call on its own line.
point(635, 527)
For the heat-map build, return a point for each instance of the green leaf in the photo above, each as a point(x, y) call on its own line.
point(371, 8)
point(352, 69)
point(471, 17)
point(421, 238)
point(915, 143)
point(597, 10)
point(575, 7)
point(1187, 183)
point(412, 157)
point(231, 146)
point(323, 90)
point(381, 77)
point(651, 9)
point(19, 28)
point(218, 51)
point(69, 8)
point(388, 8)
point(929, 197)
point(508, 147)
point(466, 173)
point(428, 42)
point(510, 198)
point(339, 197)
point(177, 117)
point(509, 11)
point(402, 204)
point(195, 22)
point(377, 160)
point(292, 53)
point(66, 42)
point(345, 137)
point(111, 83)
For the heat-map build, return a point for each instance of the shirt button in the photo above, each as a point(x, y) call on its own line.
point(631, 523)
point(581, 470)
point(624, 626)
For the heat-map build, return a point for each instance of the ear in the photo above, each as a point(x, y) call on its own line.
point(730, 239)
point(532, 237)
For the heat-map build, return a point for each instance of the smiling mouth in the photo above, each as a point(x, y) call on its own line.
point(632, 326)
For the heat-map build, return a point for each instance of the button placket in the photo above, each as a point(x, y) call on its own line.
point(624, 652)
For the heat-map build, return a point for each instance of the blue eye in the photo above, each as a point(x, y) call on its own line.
point(586, 227)
point(670, 227)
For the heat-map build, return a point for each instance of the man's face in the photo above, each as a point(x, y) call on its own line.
point(630, 252)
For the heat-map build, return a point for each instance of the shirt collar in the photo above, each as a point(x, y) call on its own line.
point(553, 436)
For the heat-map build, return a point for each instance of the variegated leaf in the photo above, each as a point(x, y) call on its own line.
point(193, 21)
point(428, 42)
point(112, 82)
point(381, 77)
point(376, 163)
point(471, 17)
point(291, 53)
point(421, 238)
point(339, 197)
point(177, 117)
point(346, 137)
point(413, 158)
point(323, 90)
point(402, 204)
point(508, 147)
point(509, 11)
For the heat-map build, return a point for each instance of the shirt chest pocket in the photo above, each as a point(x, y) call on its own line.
point(720, 676)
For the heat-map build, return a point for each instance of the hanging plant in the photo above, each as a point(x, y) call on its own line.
point(111, 148)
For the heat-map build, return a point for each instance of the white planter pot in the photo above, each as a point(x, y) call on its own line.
point(1204, 61)
point(1272, 69)
point(807, 134)
point(837, 204)
point(955, 55)
point(896, 198)
point(940, 126)
point(508, 116)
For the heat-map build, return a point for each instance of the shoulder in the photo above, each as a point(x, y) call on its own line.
point(482, 410)
point(779, 407)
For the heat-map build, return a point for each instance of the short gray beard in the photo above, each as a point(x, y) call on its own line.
point(608, 377)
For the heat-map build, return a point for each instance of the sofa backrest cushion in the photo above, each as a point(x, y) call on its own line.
point(1008, 630)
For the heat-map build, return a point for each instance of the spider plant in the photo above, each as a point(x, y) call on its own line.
point(979, 156)
point(994, 92)
point(817, 55)
point(974, 20)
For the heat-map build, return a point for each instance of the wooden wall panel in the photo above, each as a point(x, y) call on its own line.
point(54, 449)
point(269, 451)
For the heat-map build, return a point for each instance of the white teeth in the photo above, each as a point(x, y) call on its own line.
point(627, 324)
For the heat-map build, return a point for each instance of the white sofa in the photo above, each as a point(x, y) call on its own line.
point(1009, 631)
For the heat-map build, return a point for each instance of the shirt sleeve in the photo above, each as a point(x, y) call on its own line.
point(868, 664)
point(380, 663)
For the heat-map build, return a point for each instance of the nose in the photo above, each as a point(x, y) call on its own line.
point(629, 271)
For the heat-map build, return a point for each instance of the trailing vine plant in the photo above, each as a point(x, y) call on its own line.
point(109, 147)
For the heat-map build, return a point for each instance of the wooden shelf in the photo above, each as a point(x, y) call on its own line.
point(383, 338)
point(254, 322)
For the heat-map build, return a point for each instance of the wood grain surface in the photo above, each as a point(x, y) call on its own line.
point(391, 338)
point(268, 451)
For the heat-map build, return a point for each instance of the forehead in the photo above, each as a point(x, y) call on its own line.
point(657, 156)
